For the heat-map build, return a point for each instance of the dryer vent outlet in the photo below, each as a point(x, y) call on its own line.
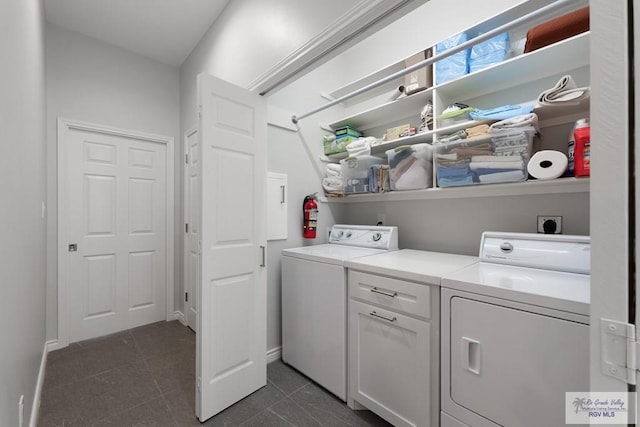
point(548, 224)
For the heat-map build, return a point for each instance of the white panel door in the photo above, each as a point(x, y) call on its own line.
point(192, 227)
point(231, 339)
point(116, 218)
point(611, 217)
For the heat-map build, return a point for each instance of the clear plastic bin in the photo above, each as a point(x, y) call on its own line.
point(495, 158)
point(355, 173)
point(410, 167)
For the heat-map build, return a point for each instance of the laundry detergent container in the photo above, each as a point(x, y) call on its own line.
point(355, 173)
point(489, 159)
point(410, 167)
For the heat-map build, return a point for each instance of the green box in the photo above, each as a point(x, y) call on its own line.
point(347, 130)
point(338, 145)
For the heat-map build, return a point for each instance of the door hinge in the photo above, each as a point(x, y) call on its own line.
point(186, 228)
point(186, 158)
point(620, 350)
point(186, 297)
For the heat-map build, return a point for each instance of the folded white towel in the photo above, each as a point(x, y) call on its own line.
point(496, 158)
point(524, 120)
point(564, 92)
point(332, 183)
point(508, 176)
point(359, 147)
point(333, 170)
point(496, 165)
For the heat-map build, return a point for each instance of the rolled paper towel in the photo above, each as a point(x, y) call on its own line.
point(547, 164)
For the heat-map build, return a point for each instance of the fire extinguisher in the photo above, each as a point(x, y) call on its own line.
point(309, 217)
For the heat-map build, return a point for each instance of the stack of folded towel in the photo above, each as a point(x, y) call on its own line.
point(454, 166)
point(333, 184)
point(523, 121)
point(410, 167)
point(498, 168)
point(501, 157)
point(379, 179)
point(361, 146)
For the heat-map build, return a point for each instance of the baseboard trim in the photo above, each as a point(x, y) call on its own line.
point(178, 315)
point(53, 345)
point(35, 407)
point(274, 354)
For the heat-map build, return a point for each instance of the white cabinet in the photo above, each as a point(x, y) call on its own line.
point(276, 206)
point(393, 348)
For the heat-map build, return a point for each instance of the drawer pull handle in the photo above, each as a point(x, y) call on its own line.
point(388, 294)
point(388, 319)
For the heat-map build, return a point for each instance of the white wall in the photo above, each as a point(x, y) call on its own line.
point(92, 81)
point(22, 186)
point(248, 38)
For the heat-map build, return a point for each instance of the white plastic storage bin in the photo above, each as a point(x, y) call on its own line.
point(410, 167)
point(355, 173)
point(494, 158)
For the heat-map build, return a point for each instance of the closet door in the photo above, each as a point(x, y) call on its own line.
point(231, 314)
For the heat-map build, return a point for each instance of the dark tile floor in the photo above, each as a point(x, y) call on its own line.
point(145, 377)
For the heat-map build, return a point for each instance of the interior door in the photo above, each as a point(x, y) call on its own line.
point(231, 313)
point(116, 229)
point(192, 225)
point(611, 217)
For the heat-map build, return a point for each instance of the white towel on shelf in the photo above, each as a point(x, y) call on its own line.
point(524, 120)
point(360, 147)
point(496, 158)
point(565, 92)
point(333, 170)
point(496, 165)
point(333, 186)
point(508, 176)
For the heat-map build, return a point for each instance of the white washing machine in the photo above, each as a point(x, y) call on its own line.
point(314, 301)
point(515, 331)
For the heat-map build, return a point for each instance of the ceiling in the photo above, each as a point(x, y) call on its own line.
point(163, 30)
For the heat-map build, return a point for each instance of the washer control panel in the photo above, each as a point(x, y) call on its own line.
point(377, 237)
point(543, 251)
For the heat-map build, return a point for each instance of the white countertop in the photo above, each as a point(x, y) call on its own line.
point(564, 291)
point(408, 264)
point(330, 253)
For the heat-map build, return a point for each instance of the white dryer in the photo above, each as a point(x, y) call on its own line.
point(314, 301)
point(515, 331)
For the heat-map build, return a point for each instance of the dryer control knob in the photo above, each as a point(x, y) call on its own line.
point(376, 236)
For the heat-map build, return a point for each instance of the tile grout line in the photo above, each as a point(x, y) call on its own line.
point(126, 410)
point(265, 410)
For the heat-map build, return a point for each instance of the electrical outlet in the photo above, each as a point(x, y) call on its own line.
point(381, 219)
point(549, 224)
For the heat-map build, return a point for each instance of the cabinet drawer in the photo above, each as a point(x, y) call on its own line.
point(400, 295)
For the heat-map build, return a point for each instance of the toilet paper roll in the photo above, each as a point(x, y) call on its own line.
point(547, 164)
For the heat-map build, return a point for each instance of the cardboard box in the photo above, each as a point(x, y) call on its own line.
point(396, 132)
point(420, 79)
